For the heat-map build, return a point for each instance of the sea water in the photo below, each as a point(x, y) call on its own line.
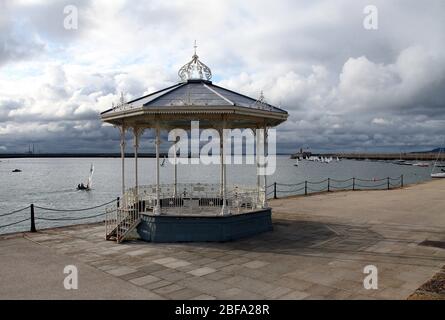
point(52, 182)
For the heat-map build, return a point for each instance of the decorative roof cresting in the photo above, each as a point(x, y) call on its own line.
point(195, 69)
point(122, 105)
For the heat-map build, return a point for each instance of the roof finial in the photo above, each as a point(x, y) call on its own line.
point(261, 98)
point(195, 69)
point(121, 105)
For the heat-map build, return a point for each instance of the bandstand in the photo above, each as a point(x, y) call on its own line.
point(184, 211)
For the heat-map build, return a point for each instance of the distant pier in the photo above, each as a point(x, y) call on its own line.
point(420, 156)
point(77, 155)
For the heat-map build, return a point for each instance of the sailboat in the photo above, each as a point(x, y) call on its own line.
point(163, 161)
point(438, 174)
point(402, 162)
point(296, 163)
point(421, 163)
point(89, 184)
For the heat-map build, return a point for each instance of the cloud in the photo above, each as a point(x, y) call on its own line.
point(345, 88)
point(16, 43)
point(380, 121)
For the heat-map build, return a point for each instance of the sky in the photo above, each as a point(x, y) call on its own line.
point(346, 87)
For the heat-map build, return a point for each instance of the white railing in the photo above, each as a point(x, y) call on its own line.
point(197, 198)
point(125, 219)
point(118, 220)
point(110, 219)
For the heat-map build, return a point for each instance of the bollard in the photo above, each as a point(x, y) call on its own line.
point(353, 184)
point(33, 224)
point(275, 190)
point(329, 184)
point(401, 181)
point(305, 188)
point(118, 202)
point(387, 179)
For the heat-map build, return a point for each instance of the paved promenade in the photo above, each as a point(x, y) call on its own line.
point(318, 249)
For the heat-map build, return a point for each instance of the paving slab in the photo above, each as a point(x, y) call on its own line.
point(32, 271)
point(202, 271)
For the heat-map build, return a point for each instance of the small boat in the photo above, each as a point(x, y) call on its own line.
point(440, 174)
point(16, 170)
point(296, 163)
point(402, 163)
point(421, 164)
point(89, 184)
point(81, 186)
point(326, 159)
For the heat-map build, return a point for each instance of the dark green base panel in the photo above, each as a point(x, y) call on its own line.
point(204, 229)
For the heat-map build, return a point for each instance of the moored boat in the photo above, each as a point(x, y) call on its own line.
point(440, 174)
point(421, 164)
point(402, 163)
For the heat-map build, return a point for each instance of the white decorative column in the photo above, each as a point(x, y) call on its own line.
point(266, 151)
point(122, 131)
point(175, 191)
point(224, 210)
point(257, 160)
point(157, 208)
point(221, 156)
point(136, 134)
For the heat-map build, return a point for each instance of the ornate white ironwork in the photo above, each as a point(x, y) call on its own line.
point(120, 221)
point(193, 198)
point(261, 103)
point(195, 69)
point(122, 105)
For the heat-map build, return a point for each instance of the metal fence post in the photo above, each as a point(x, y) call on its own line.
point(353, 183)
point(33, 224)
point(401, 181)
point(118, 202)
point(329, 184)
point(387, 179)
point(275, 190)
point(305, 188)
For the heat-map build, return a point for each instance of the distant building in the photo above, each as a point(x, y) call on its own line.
point(301, 153)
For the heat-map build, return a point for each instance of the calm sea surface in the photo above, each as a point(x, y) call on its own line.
point(52, 182)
